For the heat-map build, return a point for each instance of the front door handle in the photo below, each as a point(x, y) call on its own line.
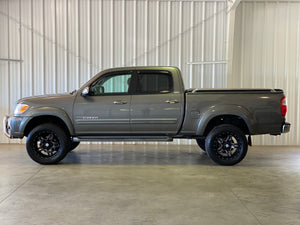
point(119, 102)
point(172, 101)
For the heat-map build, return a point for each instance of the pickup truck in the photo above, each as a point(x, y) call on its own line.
point(147, 104)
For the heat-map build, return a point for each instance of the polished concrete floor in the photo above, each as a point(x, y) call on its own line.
point(148, 185)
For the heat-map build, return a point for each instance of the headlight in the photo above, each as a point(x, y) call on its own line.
point(20, 108)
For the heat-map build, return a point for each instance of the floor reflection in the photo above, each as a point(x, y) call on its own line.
point(137, 155)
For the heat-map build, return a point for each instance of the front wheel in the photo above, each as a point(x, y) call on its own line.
point(47, 144)
point(226, 145)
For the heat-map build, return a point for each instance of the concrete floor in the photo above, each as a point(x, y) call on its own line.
point(148, 185)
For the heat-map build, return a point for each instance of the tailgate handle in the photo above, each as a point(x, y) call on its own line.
point(172, 101)
point(118, 102)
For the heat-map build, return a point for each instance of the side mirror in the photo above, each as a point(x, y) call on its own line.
point(85, 91)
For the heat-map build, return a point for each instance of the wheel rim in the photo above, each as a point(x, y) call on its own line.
point(227, 145)
point(46, 144)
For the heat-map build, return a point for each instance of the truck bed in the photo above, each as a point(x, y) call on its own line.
point(259, 108)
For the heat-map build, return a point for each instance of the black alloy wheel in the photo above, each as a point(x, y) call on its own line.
point(226, 145)
point(47, 144)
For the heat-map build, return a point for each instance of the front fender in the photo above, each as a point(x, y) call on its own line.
point(219, 110)
point(48, 111)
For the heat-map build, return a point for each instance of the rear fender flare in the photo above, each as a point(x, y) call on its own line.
point(234, 110)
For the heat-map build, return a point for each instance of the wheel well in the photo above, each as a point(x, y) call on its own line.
point(45, 119)
point(227, 119)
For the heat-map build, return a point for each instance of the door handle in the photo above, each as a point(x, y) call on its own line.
point(118, 102)
point(172, 101)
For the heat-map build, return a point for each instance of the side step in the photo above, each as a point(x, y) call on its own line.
point(121, 138)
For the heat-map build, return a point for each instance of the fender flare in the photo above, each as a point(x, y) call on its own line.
point(228, 110)
point(48, 111)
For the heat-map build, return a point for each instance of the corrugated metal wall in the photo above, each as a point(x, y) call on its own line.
point(52, 46)
point(266, 54)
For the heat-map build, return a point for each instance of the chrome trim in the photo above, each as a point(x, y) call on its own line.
point(6, 126)
point(285, 128)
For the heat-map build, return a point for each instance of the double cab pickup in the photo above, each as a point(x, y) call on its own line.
point(147, 104)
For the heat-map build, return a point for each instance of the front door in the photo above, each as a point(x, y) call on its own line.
point(105, 110)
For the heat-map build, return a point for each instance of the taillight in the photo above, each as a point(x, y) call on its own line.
point(283, 104)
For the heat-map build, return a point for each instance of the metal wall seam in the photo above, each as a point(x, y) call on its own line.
point(20, 28)
point(79, 55)
point(146, 33)
point(134, 33)
point(67, 85)
point(112, 34)
point(157, 34)
point(180, 36)
point(8, 55)
point(169, 34)
point(44, 51)
point(242, 44)
point(253, 44)
point(55, 49)
point(202, 43)
point(275, 46)
point(100, 38)
point(264, 53)
point(191, 43)
point(214, 44)
point(123, 32)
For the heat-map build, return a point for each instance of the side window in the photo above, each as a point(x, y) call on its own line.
point(111, 84)
point(154, 83)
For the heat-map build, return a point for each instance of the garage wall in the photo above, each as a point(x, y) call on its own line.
point(266, 55)
point(54, 46)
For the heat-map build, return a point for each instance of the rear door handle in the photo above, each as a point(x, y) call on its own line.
point(119, 102)
point(172, 101)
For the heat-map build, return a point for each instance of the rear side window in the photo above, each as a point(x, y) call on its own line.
point(154, 83)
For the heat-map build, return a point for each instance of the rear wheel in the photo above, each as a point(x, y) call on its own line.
point(47, 144)
point(226, 145)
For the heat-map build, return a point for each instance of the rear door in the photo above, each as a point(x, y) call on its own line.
point(155, 107)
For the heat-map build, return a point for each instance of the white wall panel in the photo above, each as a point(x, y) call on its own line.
point(63, 43)
point(49, 47)
point(266, 55)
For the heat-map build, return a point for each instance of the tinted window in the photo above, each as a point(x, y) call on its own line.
point(111, 84)
point(154, 83)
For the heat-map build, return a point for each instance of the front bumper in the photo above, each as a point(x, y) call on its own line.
point(7, 127)
point(285, 128)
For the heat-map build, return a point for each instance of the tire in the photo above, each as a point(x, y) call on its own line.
point(47, 144)
point(226, 145)
point(73, 145)
point(201, 143)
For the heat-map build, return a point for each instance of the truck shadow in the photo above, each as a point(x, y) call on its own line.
point(138, 155)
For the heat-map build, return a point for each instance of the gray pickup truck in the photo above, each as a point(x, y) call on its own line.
point(147, 104)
